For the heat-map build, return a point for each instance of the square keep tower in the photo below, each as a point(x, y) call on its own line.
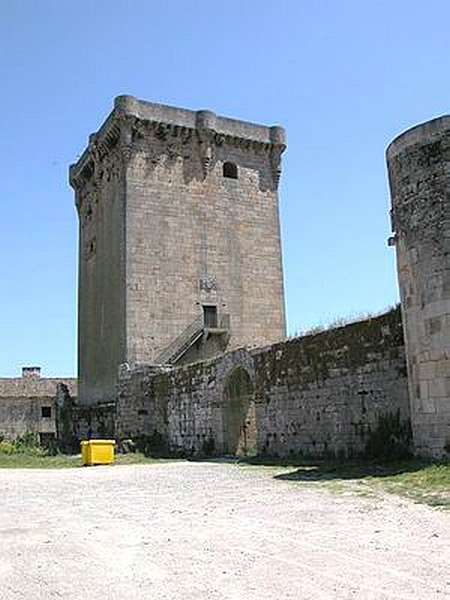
point(179, 240)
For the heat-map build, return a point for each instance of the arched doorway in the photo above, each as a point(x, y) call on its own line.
point(239, 416)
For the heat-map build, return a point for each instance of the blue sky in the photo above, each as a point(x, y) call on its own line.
point(344, 77)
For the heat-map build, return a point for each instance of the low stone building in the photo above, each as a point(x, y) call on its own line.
point(29, 404)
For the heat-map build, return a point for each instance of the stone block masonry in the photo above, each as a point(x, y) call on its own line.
point(178, 214)
point(28, 403)
point(419, 174)
point(181, 309)
point(320, 395)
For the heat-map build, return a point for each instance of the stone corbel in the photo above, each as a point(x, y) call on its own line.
point(206, 145)
point(205, 126)
point(275, 163)
point(278, 140)
point(97, 163)
point(206, 152)
point(126, 140)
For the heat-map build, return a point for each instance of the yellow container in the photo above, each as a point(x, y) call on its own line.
point(97, 452)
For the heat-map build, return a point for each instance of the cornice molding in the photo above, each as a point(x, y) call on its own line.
point(132, 118)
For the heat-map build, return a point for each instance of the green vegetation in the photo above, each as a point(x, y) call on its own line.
point(419, 480)
point(429, 485)
point(342, 321)
point(63, 461)
point(26, 453)
point(391, 439)
point(25, 444)
point(30, 461)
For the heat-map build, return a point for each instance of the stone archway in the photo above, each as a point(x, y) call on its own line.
point(239, 415)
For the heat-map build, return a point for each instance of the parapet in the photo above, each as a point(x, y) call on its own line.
point(31, 372)
point(419, 134)
point(130, 110)
point(200, 119)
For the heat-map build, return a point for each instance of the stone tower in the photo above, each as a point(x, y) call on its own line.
point(179, 240)
point(419, 174)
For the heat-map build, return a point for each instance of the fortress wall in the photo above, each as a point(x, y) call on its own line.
point(101, 299)
point(323, 394)
point(327, 394)
point(97, 422)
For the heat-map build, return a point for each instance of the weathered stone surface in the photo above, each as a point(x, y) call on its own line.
point(28, 404)
point(178, 211)
point(318, 395)
point(179, 226)
point(419, 175)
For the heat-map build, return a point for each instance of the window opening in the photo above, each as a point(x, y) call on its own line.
point(230, 170)
point(210, 317)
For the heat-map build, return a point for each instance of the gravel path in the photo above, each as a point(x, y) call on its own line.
point(211, 531)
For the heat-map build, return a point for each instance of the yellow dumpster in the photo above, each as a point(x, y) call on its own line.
point(97, 452)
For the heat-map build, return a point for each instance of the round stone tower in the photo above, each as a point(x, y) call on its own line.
point(419, 172)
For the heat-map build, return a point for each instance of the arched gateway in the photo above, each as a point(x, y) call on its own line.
point(239, 415)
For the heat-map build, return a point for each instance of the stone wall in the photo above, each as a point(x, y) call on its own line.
point(196, 238)
point(419, 174)
point(100, 202)
point(29, 404)
point(325, 394)
point(96, 422)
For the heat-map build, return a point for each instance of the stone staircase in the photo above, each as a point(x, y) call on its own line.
point(188, 337)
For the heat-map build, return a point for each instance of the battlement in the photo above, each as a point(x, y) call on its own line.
point(200, 119)
point(169, 119)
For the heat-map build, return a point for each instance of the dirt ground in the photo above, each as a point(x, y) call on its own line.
point(213, 531)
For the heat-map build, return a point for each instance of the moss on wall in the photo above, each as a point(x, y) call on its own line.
point(320, 395)
point(308, 359)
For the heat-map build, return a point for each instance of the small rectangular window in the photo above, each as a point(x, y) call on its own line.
point(46, 412)
point(230, 170)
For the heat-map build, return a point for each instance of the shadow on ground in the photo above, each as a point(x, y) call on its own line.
point(328, 471)
point(323, 470)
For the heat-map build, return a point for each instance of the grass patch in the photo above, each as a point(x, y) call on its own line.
point(63, 461)
point(33, 461)
point(419, 480)
point(429, 485)
point(25, 452)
